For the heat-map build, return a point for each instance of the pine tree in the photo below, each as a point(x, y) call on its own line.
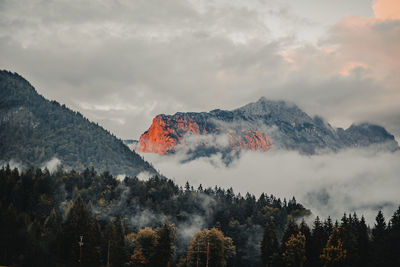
point(109, 237)
point(165, 245)
point(79, 223)
point(114, 248)
point(318, 241)
point(347, 232)
point(291, 229)
point(269, 244)
point(305, 230)
point(52, 229)
point(379, 241)
point(394, 239)
point(363, 243)
point(328, 226)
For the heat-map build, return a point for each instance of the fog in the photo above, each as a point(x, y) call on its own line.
point(353, 180)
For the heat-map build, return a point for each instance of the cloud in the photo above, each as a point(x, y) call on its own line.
point(387, 9)
point(121, 63)
point(13, 165)
point(52, 164)
point(354, 180)
point(352, 75)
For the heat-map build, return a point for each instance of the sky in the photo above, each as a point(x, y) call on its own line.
point(120, 63)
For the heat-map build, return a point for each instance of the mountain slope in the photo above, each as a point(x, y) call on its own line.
point(33, 130)
point(256, 126)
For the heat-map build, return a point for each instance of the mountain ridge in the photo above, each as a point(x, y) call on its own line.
point(33, 130)
point(260, 126)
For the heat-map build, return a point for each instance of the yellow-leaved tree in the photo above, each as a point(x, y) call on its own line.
point(295, 252)
point(209, 248)
point(333, 254)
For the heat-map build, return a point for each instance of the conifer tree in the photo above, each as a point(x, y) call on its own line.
point(305, 230)
point(165, 245)
point(379, 240)
point(269, 244)
point(291, 229)
point(394, 239)
point(114, 248)
point(363, 243)
point(79, 223)
point(328, 226)
point(120, 255)
point(318, 241)
point(348, 232)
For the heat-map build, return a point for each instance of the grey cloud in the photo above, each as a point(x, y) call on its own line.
point(355, 180)
point(149, 57)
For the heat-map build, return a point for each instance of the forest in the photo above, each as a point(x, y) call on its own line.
point(69, 218)
point(35, 130)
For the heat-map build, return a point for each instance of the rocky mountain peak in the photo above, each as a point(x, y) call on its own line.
point(260, 125)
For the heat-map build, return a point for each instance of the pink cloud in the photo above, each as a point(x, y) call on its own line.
point(387, 9)
point(351, 66)
point(363, 54)
point(371, 45)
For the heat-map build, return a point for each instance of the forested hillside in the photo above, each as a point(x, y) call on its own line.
point(34, 130)
point(44, 214)
point(156, 223)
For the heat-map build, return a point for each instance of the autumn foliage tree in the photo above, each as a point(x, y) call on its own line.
point(295, 251)
point(334, 255)
point(153, 247)
point(145, 248)
point(209, 246)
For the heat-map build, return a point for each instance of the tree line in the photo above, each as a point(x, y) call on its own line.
point(36, 205)
point(70, 218)
point(349, 242)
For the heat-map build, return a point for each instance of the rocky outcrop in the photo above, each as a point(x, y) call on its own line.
point(257, 126)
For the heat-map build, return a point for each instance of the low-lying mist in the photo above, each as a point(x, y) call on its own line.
point(352, 180)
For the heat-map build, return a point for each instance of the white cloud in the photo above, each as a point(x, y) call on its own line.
point(52, 164)
point(361, 181)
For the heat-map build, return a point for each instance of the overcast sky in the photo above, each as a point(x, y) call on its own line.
point(122, 62)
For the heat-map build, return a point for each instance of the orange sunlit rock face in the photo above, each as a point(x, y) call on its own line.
point(166, 132)
point(158, 139)
point(250, 140)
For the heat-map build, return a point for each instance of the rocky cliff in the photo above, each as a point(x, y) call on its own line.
point(256, 126)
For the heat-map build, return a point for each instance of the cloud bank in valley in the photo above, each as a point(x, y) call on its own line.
point(354, 180)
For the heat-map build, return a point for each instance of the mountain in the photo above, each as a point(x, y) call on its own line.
point(34, 130)
point(261, 126)
point(131, 143)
